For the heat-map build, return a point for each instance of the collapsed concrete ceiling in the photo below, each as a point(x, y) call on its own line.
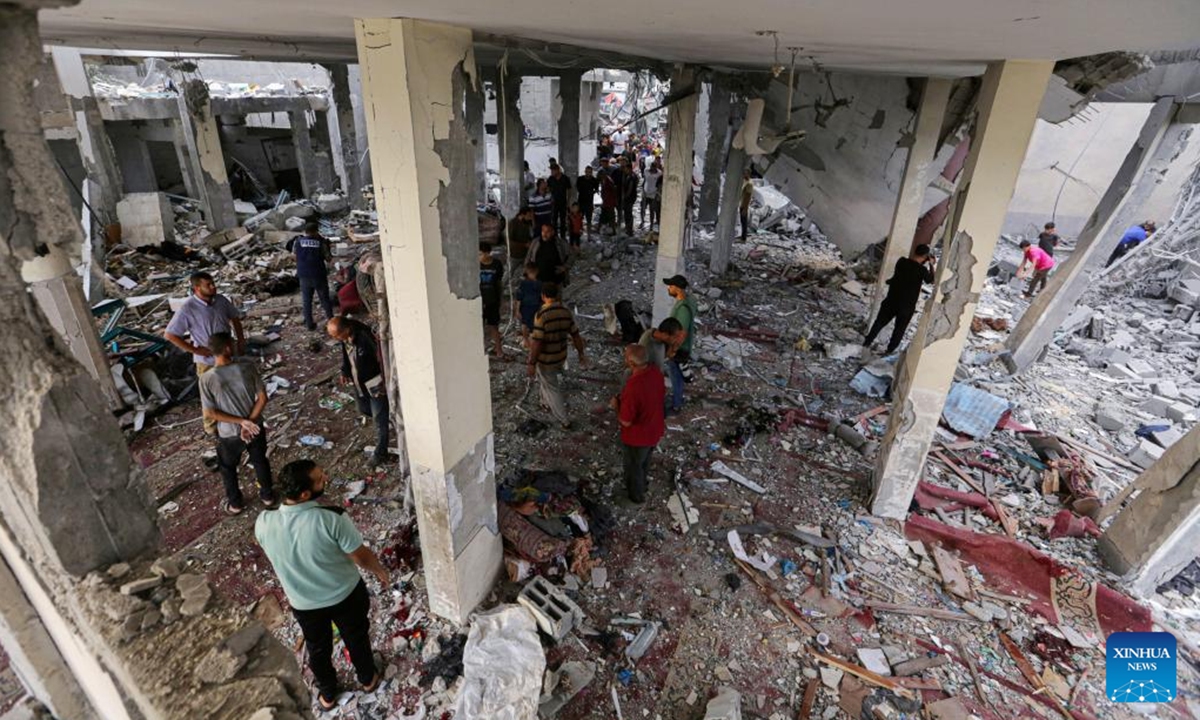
point(914, 37)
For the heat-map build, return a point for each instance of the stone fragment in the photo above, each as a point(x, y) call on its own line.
point(831, 677)
point(189, 583)
point(219, 666)
point(166, 567)
point(268, 612)
point(151, 619)
point(118, 571)
point(194, 603)
point(1109, 418)
point(1145, 454)
point(242, 641)
point(141, 586)
point(170, 611)
point(874, 660)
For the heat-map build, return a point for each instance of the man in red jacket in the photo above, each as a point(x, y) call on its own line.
point(640, 412)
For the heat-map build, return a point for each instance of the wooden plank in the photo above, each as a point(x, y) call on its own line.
point(864, 674)
point(952, 573)
point(938, 613)
point(810, 696)
point(920, 683)
point(1009, 525)
point(1031, 675)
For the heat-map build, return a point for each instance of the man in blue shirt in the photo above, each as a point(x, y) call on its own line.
point(312, 250)
point(314, 550)
point(1133, 237)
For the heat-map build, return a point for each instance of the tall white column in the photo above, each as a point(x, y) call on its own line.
point(415, 75)
point(510, 130)
point(918, 171)
point(202, 134)
point(676, 190)
point(1008, 105)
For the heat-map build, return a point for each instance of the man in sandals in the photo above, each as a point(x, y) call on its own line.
point(316, 552)
point(233, 396)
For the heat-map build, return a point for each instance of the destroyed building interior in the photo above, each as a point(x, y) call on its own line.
point(736, 497)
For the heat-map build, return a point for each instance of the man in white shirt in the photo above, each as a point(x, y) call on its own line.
point(619, 138)
point(652, 193)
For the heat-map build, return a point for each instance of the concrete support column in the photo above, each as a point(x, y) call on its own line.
point(475, 134)
point(511, 131)
point(99, 158)
point(137, 169)
point(1156, 535)
point(306, 161)
point(59, 293)
point(676, 190)
point(343, 106)
point(187, 167)
point(568, 122)
point(918, 171)
point(33, 654)
point(202, 134)
point(415, 75)
point(726, 229)
point(1008, 104)
point(1068, 283)
point(714, 153)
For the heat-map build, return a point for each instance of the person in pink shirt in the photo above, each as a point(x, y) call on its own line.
point(1041, 263)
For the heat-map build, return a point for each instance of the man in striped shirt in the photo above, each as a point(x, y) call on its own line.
point(553, 326)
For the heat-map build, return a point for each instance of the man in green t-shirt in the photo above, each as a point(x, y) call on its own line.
point(680, 350)
point(315, 550)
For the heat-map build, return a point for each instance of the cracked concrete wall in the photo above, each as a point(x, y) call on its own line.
point(424, 166)
point(947, 308)
point(1156, 535)
point(715, 133)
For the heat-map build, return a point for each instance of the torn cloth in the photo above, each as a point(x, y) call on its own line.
point(972, 411)
point(1059, 593)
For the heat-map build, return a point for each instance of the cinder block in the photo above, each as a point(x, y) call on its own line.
point(1156, 406)
point(1180, 413)
point(555, 613)
point(1145, 454)
point(1165, 388)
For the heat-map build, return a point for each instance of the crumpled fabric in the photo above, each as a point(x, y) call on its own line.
point(503, 664)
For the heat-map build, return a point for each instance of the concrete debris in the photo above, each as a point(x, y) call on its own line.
point(555, 613)
point(727, 705)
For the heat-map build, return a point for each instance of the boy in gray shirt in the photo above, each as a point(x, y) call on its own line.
point(234, 397)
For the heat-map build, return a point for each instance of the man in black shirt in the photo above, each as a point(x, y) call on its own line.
point(629, 191)
point(1048, 239)
point(904, 290)
point(551, 255)
point(560, 193)
point(587, 185)
point(491, 286)
point(362, 367)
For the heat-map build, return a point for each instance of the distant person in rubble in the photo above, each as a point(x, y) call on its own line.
point(491, 290)
point(528, 301)
point(560, 192)
point(520, 233)
point(528, 179)
point(1133, 237)
point(1048, 239)
point(552, 256)
point(629, 192)
point(744, 204)
point(553, 327)
point(640, 413)
point(542, 204)
point(679, 353)
point(202, 315)
point(619, 139)
point(609, 197)
point(652, 193)
point(659, 341)
point(233, 396)
point(586, 187)
point(362, 367)
point(317, 552)
point(1040, 261)
point(312, 251)
point(904, 290)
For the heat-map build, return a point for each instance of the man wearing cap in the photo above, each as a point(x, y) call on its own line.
point(680, 351)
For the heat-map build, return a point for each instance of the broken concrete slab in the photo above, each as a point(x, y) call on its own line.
point(1145, 454)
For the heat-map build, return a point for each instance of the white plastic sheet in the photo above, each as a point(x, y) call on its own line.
point(503, 663)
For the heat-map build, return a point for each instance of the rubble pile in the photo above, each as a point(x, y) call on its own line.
point(754, 582)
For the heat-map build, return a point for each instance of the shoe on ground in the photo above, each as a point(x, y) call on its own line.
point(376, 460)
point(269, 499)
point(624, 501)
point(231, 509)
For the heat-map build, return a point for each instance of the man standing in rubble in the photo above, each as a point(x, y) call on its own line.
point(744, 204)
point(680, 352)
point(640, 413)
point(362, 367)
point(904, 290)
point(553, 326)
point(201, 316)
point(1048, 239)
point(233, 396)
point(1041, 262)
point(629, 192)
point(1133, 237)
point(560, 193)
point(372, 288)
point(651, 194)
point(312, 250)
point(587, 185)
point(317, 552)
